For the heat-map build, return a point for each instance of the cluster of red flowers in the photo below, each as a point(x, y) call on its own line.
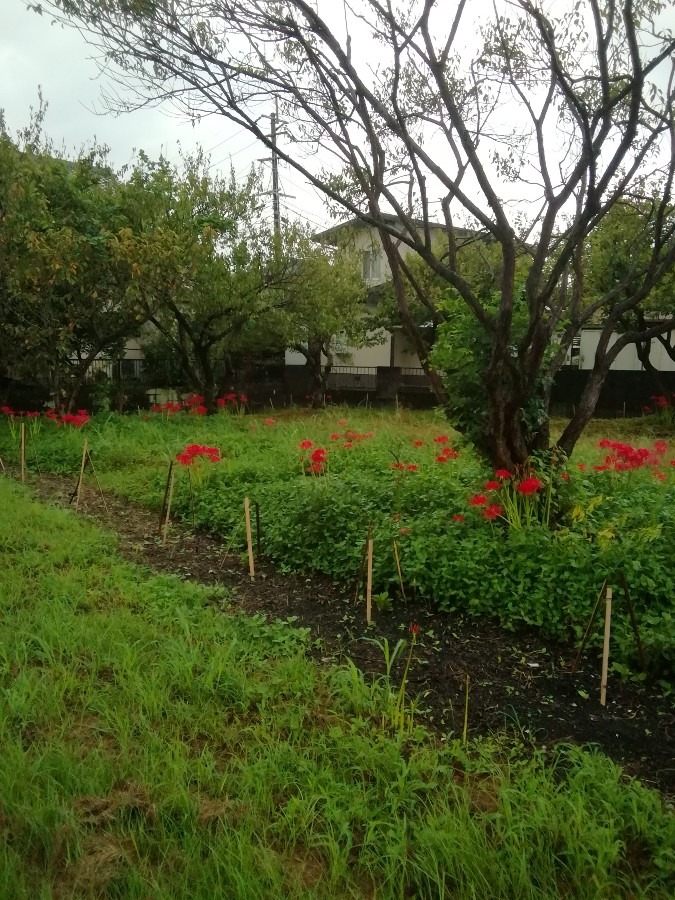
point(169, 408)
point(317, 458)
point(231, 399)
point(660, 402)
point(77, 420)
point(490, 510)
point(193, 451)
point(529, 486)
point(623, 457)
point(446, 453)
point(409, 467)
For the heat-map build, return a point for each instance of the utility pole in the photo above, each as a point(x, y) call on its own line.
point(276, 207)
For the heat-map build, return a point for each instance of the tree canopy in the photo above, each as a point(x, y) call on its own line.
point(528, 122)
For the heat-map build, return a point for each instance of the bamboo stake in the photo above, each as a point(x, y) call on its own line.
point(369, 584)
point(249, 538)
point(466, 710)
point(605, 648)
point(362, 569)
point(23, 452)
point(81, 478)
point(2, 466)
point(398, 569)
point(166, 494)
point(588, 628)
point(98, 483)
point(168, 506)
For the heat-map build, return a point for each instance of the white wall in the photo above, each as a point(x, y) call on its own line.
point(627, 359)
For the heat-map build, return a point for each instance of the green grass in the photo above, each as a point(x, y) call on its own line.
point(155, 746)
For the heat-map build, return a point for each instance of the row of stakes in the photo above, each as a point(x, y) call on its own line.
point(366, 562)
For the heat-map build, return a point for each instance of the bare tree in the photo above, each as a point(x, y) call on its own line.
point(527, 125)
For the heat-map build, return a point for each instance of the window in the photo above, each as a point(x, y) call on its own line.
point(371, 265)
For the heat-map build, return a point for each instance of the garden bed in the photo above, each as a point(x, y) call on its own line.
point(518, 680)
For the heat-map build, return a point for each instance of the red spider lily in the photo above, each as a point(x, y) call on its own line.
point(193, 451)
point(306, 445)
point(564, 476)
point(672, 462)
point(601, 468)
point(582, 467)
point(530, 486)
point(316, 468)
point(335, 437)
point(347, 446)
point(413, 628)
point(660, 475)
point(442, 459)
point(319, 455)
point(604, 443)
point(184, 459)
point(441, 439)
point(503, 473)
point(458, 518)
point(404, 531)
point(221, 402)
point(492, 485)
point(155, 408)
point(492, 511)
point(411, 467)
point(478, 500)
point(418, 443)
point(76, 420)
point(270, 421)
point(398, 465)
point(199, 410)
point(660, 447)
point(7, 410)
point(661, 401)
point(35, 414)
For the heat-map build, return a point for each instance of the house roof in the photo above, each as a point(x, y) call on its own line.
point(329, 235)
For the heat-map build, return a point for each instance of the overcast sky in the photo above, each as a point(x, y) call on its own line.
point(36, 53)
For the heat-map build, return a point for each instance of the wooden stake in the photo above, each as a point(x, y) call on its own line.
point(466, 710)
point(166, 494)
point(167, 519)
point(98, 483)
point(575, 666)
point(249, 538)
point(2, 466)
point(23, 452)
point(81, 478)
point(362, 569)
point(605, 648)
point(398, 569)
point(369, 583)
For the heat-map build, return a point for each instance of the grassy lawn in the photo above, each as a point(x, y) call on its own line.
point(154, 746)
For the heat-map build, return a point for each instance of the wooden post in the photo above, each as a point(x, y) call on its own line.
point(23, 452)
point(164, 498)
point(466, 710)
point(257, 529)
point(398, 569)
point(2, 466)
point(249, 539)
point(363, 565)
point(605, 648)
point(369, 584)
point(98, 483)
point(172, 475)
point(81, 478)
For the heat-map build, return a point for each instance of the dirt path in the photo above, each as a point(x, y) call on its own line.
point(517, 680)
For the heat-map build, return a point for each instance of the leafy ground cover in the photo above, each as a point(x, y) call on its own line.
point(470, 540)
point(154, 747)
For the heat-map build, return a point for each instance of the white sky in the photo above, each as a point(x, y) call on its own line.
point(36, 53)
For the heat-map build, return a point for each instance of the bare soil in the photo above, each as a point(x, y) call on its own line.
point(518, 681)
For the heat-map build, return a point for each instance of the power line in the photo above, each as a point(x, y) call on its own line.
point(225, 140)
point(232, 155)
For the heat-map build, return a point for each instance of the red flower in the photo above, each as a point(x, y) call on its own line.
point(335, 437)
point(503, 473)
point(398, 465)
point(601, 468)
point(418, 443)
point(347, 446)
point(305, 445)
point(441, 439)
point(33, 415)
point(492, 511)
point(564, 476)
point(243, 398)
point(155, 408)
point(200, 410)
point(442, 459)
point(581, 466)
point(492, 485)
point(319, 455)
point(270, 421)
point(672, 462)
point(661, 476)
point(414, 629)
point(316, 467)
point(411, 467)
point(530, 486)
point(659, 446)
point(605, 442)
point(478, 500)
point(458, 518)
point(184, 459)
point(220, 402)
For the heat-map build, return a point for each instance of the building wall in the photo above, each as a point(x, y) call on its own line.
point(627, 359)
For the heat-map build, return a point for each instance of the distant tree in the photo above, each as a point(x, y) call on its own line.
point(527, 120)
point(64, 280)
